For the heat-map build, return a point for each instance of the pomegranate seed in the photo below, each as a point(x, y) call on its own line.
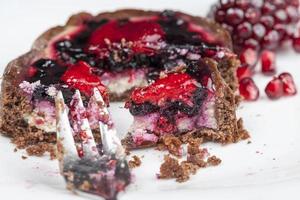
point(244, 30)
point(220, 15)
point(274, 88)
point(281, 16)
point(259, 31)
point(296, 44)
point(289, 87)
point(249, 57)
point(248, 89)
point(259, 24)
point(251, 43)
point(243, 4)
point(243, 72)
point(226, 3)
point(267, 21)
point(271, 40)
point(268, 62)
point(234, 16)
point(252, 15)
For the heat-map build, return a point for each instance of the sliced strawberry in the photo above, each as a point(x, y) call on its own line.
point(80, 76)
point(176, 86)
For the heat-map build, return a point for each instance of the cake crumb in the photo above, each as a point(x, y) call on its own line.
point(24, 157)
point(171, 144)
point(40, 149)
point(15, 149)
point(196, 158)
point(213, 161)
point(135, 162)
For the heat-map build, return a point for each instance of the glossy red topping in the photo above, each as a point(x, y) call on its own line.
point(141, 33)
point(80, 76)
point(176, 86)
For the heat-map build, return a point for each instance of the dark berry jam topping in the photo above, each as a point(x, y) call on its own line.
point(46, 70)
point(157, 43)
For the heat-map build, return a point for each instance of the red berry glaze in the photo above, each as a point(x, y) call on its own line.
point(274, 88)
point(32, 71)
point(141, 33)
point(80, 76)
point(248, 89)
point(289, 87)
point(268, 64)
point(243, 72)
point(176, 86)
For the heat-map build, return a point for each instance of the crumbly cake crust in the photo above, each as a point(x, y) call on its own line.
point(14, 103)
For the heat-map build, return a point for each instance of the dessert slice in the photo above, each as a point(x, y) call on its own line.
point(193, 99)
point(115, 52)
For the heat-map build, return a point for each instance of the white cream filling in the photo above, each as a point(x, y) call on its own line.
point(124, 81)
point(42, 117)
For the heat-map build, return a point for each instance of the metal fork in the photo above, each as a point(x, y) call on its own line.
point(98, 169)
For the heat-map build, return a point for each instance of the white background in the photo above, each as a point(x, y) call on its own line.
point(268, 168)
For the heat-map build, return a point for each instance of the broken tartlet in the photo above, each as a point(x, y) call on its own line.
point(118, 52)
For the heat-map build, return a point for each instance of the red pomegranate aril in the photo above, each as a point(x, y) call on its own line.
point(274, 88)
point(243, 72)
point(243, 4)
point(268, 8)
point(296, 44)
point(293, 14)
point(268, 62)
point(259, 31)
point(244, 30)
point(289, 87)
point(249, 57)
point(272, 22)
point(271, 40)
point(234, 16)
point(226, 3)
point(252, 15)
point(267, 21)
point(281, 16)
point(248, 89)
point(251, 43)
point(220, 15)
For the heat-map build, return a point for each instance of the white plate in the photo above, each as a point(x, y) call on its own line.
point(268, 168)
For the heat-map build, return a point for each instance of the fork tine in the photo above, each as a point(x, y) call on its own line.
point(66, 144)
point(87, 139)
point(110, 141)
